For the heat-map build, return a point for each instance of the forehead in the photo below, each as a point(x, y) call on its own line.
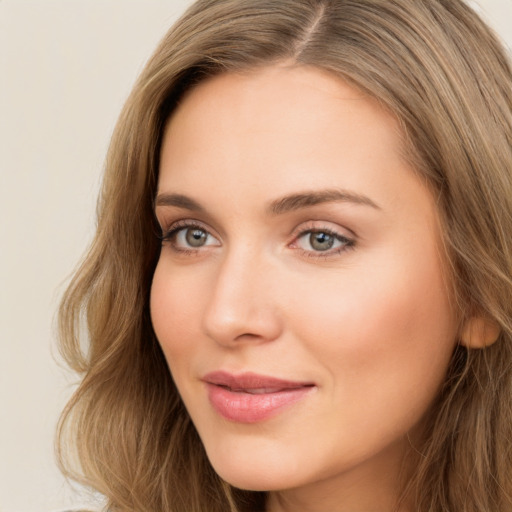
point(295, 88)
point(276, 117)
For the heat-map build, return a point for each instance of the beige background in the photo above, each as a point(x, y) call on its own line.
point(66, 67)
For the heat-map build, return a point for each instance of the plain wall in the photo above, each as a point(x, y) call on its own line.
point(66, 66)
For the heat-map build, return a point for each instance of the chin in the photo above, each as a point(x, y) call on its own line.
point(255, 472)
point(250, 480)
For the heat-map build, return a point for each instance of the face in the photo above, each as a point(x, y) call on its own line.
point(300, 298)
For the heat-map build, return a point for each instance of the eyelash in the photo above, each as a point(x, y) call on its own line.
point(346, 242)
point(169, 236)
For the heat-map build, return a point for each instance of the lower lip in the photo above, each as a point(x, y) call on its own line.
point(243, 407)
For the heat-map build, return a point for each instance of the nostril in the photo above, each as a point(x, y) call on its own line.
point(248, 336)
point(249, 327)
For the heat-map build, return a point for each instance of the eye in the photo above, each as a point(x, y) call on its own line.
point(323, 241)
point(192, 237)
point(189, 237)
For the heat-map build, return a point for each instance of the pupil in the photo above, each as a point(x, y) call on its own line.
point(196, 237)
point(321, 241)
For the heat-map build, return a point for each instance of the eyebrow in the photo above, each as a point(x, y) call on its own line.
point(301, 200)
point(279, 206)
point(179, 201)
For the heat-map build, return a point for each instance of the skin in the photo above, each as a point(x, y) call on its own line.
point(369, 322)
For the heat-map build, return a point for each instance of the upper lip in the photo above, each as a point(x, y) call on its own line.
point(249, 381)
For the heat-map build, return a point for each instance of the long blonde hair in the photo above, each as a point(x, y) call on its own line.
point(444, 75)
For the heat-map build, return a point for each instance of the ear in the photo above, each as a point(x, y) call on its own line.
point(479, 332)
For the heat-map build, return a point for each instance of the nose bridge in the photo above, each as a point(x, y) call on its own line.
point(241, 305)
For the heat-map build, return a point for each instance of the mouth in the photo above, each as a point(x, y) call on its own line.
point(251, 398)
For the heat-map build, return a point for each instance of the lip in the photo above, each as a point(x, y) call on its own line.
point(251, 398)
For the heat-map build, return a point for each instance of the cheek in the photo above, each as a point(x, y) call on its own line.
point(382, 331)
point(174, 305)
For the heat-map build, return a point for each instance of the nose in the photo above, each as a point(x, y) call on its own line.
point(243, 305)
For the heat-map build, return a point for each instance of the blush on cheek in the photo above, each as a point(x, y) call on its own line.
point(375, 324)
point(164, 308)
point(176, 302)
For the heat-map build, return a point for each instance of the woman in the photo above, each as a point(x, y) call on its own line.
point(299, 294)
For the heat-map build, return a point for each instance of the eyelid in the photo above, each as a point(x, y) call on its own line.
point(321, 225)
point(167, 226)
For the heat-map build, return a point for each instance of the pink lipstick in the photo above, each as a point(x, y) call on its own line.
point(250, 398)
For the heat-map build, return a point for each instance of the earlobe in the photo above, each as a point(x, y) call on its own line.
point(479, 332)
